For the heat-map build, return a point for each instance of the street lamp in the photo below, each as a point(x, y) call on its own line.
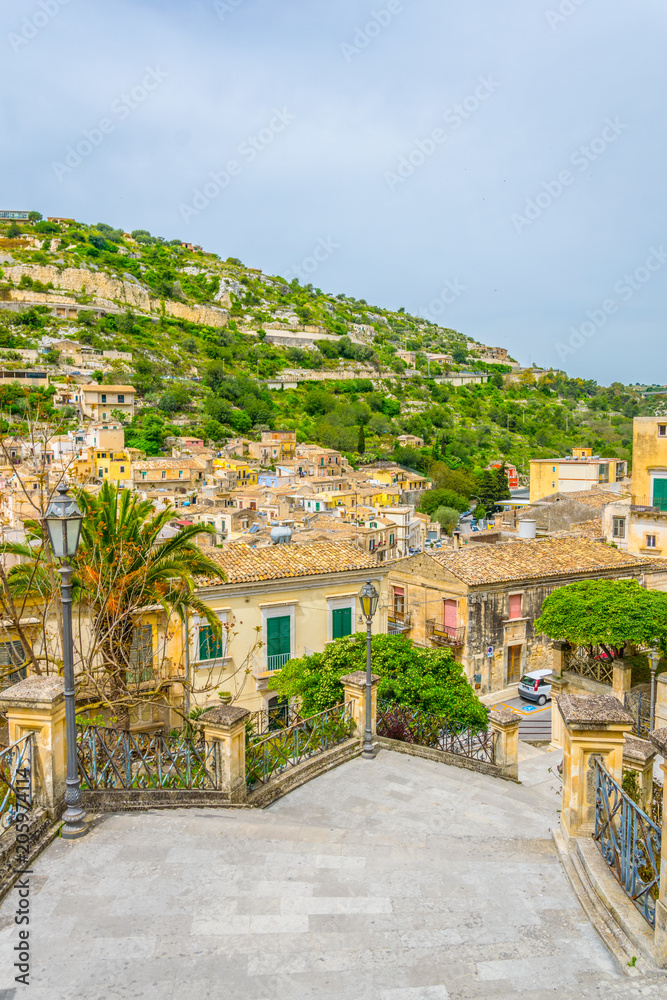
point(63, 521)
point(654, 659)
point(368, 598)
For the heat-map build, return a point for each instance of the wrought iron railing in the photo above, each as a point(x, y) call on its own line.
point(277, 662)
point(269, 757)
point(119, 759)
point(399, 621)
point(409, 725)
point(272, 720)
point(629, 841)
point(638, 704)
point(601, 670)
point(16, 780)
point(445, 635)
point(649, 505)
point(657, 804)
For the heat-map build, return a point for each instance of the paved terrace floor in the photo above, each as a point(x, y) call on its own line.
point(396, 879)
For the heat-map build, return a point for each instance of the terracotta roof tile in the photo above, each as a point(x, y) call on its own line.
point(525, 560)
point(243, 564)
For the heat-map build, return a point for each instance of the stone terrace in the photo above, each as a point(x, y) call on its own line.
point(395, 879)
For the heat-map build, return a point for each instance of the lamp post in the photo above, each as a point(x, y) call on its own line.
point(63, 521)
point(654, 660)
point(368, 597)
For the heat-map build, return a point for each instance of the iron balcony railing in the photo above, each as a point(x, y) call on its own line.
point(269, 757)
point(649, 505)
point(409, 725)
point(638, 704)
point(118, 759)
point(445, 635)
point(16, 780)
point(629, 841)
point(399, 621)
point(277, 662)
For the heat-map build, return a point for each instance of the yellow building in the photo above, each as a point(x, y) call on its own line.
point(246, 474)
point(278, 603)
point(582, 471)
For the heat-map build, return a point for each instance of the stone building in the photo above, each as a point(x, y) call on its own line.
point(487, 597)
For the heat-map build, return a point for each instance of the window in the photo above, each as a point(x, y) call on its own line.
point(141, 655)
point(660, 493)
point(143, 475)
point(180, 473)
point(662, 430)
point(651, 541)
point(121, 399)
point(341, 622)
point(515, 606)
point(399, 600)
point(104, 416)
point(391, 539)
point(12, 655)
point(210, 646)
point(603, 473)
point(618, 528)
point(122, 468)
point(164, 475)
point(513, 664)
point(278, 641)
point(104, 399)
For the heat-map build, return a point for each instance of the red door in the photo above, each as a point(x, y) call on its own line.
point(451, 617)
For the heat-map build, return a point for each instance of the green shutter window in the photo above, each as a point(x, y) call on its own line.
point(141, 655)
point(342, 623)
point(210, 647)
point(278, 642)
point(660, 493)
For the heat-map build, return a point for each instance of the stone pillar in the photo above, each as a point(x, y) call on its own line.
point(559, 649)
point(638, 757)
point(225, 725)
point(354, 686)
point(622, 681)
point(593, 726)
point(506, 726)
point(659, 740)
point(661, 701)
point(558, 687)
point(37, 705)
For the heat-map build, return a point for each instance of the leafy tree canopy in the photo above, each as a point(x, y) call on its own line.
point(606, 613)
point(431, 500)
point(428, 679)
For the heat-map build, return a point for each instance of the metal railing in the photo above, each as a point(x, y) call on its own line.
point(272, 720)
point(277, 662)
point(638, 704)
point(596, 669)
point(16, 780)
point(445, 635)
point(269, 757)
point(409, 725)
point(399, 621)
point(629, 842)
point(649, 505)
point(119, 759)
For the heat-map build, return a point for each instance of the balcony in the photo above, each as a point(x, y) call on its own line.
point(645, 505)
point(273, 665)
point(398, 622)
point(445, 635)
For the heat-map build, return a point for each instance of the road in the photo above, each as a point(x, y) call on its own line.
point(535, 725)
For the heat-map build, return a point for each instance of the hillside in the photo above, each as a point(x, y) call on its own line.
point(206, 334)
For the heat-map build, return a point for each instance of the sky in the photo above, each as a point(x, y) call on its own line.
point(497, 167)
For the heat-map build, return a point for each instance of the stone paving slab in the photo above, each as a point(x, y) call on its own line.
point(392, 879)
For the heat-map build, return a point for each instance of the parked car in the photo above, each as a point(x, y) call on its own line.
point(536, 686)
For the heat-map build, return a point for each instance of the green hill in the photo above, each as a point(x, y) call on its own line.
point(200, 330)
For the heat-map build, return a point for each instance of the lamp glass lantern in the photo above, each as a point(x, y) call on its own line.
point(654, 657)
point(63, 522)
point(368, 598)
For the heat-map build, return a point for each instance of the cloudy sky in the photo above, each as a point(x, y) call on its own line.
point(497, 166)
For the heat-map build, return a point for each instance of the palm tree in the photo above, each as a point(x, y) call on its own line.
point(124, 566)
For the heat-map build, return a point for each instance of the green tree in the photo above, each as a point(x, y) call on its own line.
point(447, 518)
point(361, 442)
point(428, 679)
point(432, 499)
point(605, 613)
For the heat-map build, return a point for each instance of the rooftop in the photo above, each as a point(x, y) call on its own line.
point(243, 564)
point(526, 560)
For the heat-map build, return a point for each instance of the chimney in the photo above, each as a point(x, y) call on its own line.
point(457, 540)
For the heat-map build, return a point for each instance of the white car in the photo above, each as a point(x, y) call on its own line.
point(536, 686)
